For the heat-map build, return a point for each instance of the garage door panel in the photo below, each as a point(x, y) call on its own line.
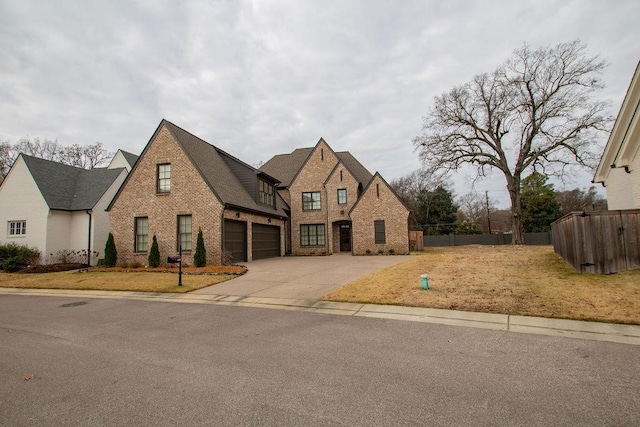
point(235, 239)
point(265, 241)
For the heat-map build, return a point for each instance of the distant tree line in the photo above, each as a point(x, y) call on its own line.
point(82, 156)
point(436, 210)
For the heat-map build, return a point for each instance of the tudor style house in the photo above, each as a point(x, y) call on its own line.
point(56, 207)
point(619, 168)
point(181, 184)
point(337, 205)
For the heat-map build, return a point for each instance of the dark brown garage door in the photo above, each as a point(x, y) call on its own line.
point(266, 241)
point(235, 239)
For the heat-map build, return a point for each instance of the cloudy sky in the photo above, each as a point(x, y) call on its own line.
point(259, 78)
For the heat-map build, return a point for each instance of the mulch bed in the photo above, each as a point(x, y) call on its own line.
point(52, 268)
point(237, 270)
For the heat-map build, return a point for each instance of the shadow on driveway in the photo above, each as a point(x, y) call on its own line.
point(300, 277)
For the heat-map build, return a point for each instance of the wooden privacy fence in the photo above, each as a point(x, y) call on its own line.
point(599, 242)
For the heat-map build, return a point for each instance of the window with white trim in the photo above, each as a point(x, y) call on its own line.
point(17, 228)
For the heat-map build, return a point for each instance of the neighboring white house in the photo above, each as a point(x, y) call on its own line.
point(56, 207)
point(123, 159)
point(619, 168)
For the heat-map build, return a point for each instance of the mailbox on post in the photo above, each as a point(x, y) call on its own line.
point(177, 260)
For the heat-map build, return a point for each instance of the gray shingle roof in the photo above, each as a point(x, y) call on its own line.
point(69, 188)
point(285, 167)
point(130, 158)
point(214, 166)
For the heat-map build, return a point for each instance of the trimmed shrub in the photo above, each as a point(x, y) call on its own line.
point(200, 257)
point(110, 252)
point(154, 253)
point(16, 257)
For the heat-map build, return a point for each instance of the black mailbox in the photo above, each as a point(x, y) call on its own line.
point(174, 259)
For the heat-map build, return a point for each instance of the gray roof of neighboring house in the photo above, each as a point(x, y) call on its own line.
point(285, 167)
point(68, 188)
point(129, 157)
point(215, 166)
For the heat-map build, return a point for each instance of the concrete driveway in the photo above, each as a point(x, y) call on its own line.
point(301, 277)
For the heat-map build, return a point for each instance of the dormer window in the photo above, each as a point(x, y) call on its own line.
point(265, 193)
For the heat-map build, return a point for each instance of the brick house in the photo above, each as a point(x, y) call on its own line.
point(181, 184)
point(337, 205)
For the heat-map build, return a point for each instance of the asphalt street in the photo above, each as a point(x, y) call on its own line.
point(74, 361)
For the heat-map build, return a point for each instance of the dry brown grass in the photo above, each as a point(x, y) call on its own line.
point(113, 280)
point(522, 280)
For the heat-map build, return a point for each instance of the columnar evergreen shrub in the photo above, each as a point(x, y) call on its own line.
point(110, 252)
point(200, 257)
point(154, 253)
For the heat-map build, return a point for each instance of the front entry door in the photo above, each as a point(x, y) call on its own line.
point(345, 238)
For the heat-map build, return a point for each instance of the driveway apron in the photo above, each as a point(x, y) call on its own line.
point(300, 277)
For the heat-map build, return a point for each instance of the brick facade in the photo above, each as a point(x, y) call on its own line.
point(324, 172)
point(311, 178)
point(189, 195)
point(379, 203)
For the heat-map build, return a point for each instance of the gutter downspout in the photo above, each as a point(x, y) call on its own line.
point(89, 239)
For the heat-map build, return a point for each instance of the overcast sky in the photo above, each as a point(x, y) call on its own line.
point(265, 77)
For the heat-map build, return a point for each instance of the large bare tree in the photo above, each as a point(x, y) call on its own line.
point(535, 112)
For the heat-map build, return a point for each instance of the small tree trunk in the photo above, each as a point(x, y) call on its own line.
point(517, 238)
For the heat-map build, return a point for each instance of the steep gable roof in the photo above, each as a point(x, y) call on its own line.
point(285, 167)
point(129, 157)
point(217, 170)
point(369, 184)
point(69, 188)
point(624, 140)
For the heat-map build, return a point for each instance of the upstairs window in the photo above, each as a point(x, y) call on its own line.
point(379, 232)
point(17, 228)
point(265, 193)
point(164, 178)
point(184, 232)
point(311, 201)
point(342, 196)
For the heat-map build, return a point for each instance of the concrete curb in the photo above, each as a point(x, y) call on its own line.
point(625, 334)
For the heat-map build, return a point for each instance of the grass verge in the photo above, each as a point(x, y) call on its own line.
point(141, 281)
point(519, 280)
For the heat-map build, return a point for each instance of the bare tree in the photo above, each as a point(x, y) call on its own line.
point(473, 206)
point(6, 158)
point(535, 111)
point(82, 156)
point(580, 200)
point(95, 155)
point(48, 150)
